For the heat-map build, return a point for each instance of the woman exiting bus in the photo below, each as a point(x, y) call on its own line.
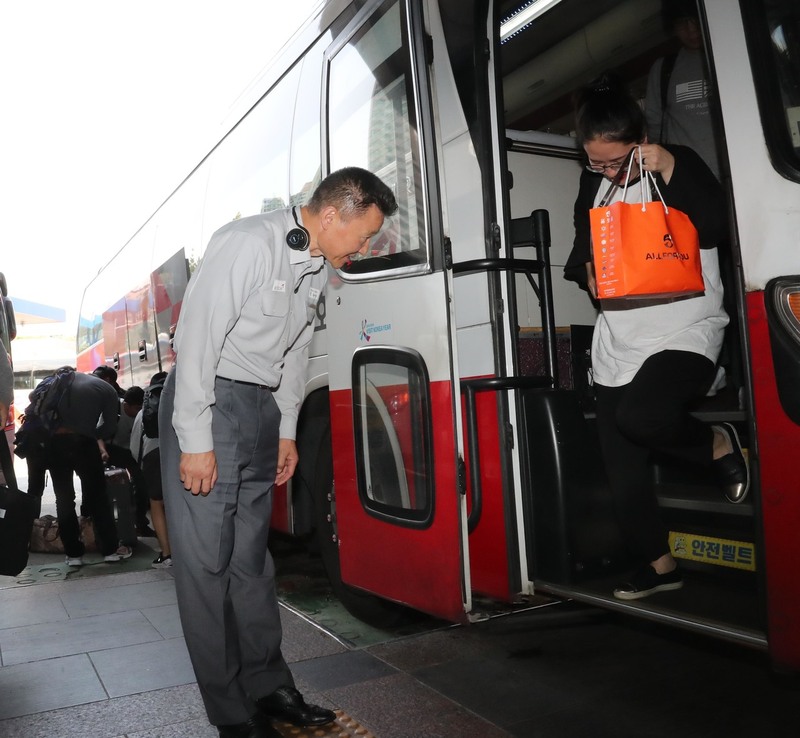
point(651, 360)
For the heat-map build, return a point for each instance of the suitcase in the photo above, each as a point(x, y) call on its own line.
point(120, 494)
point(17, 511)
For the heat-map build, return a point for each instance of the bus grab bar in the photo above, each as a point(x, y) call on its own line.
point(469, 388)
point(533, 231)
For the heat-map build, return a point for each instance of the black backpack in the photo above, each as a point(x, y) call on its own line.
point(152, 397)
point(42, 418)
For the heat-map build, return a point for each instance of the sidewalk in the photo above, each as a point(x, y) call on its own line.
point(103, 656)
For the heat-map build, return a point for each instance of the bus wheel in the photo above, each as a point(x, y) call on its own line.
point(372, 610)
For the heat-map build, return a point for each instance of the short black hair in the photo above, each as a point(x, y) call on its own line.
point(673, 10)
point(105, 372)
point(353, 191)
point(133, 395)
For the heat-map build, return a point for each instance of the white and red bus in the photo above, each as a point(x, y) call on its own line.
point(447, 437)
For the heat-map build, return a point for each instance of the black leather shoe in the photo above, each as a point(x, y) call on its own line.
point(732, 469)
point(288, 705)
point(253, 728)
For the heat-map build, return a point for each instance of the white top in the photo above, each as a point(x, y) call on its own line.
point(628, 332)
point(247, 314)
point(122, 436)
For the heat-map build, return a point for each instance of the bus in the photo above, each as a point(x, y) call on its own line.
point(449, 452)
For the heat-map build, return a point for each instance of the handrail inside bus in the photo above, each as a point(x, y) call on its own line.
point(469, 388)
point(531, 231)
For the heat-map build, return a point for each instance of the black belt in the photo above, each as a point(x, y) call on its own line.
point(241, 381)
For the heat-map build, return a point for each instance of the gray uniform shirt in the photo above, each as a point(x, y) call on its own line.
point(248, 315)
point(6, 378)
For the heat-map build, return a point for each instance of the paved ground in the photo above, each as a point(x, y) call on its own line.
point(103, 657)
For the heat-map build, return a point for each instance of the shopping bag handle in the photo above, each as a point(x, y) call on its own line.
point(645, 178)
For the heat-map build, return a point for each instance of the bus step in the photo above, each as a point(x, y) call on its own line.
point(701, 498)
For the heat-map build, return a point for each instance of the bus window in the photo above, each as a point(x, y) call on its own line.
point(774, 38)
point(391, 418)
point(250, 168)
point(305, 171)
point(372, 123)
point(104, 303)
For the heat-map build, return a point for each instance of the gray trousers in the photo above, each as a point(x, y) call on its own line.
point(224, 573)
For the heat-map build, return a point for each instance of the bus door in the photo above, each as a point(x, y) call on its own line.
point(397, 496)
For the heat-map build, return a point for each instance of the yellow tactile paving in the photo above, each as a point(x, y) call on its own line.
point(344, 727)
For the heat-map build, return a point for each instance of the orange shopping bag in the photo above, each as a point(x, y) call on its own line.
point(644, 250)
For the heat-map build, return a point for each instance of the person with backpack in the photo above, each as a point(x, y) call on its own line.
point(145, 449)
point(677, 102)
point(86, 412)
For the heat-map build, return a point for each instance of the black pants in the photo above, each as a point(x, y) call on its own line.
point(650, 414)
point(72, 453)
point(37, 460)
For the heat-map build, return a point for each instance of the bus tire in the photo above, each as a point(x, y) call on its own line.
point(369, 608)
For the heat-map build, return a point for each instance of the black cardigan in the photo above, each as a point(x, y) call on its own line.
point(693, 189)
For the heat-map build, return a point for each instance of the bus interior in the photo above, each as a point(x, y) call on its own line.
point(575, 549)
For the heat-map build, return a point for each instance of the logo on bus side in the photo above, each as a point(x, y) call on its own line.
point(368, 330)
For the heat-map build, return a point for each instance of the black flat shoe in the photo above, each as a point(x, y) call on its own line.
point(288, 705)
point(648, 581)
point(732, 469)
point(253, 728)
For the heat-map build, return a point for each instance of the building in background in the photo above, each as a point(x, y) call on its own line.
point(44, 342)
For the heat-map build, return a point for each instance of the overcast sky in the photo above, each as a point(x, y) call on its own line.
point(106, 106)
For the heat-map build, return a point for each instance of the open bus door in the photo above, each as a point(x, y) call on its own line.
point(395, 421)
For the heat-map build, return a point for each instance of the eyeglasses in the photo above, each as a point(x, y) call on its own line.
point(619, 165)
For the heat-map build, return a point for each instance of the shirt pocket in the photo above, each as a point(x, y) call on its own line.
point(275, 303)
point(314, 296)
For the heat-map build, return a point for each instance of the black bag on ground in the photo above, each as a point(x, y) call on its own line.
point(17, 511)
point(123, 504)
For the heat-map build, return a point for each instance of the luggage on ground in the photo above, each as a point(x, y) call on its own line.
point(17, 510)
point(120, 494)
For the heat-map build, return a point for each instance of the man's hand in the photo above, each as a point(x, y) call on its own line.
point(199, 472)
point(287, 460)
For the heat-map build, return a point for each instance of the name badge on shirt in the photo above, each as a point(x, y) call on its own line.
point(279, 285)
point(313, 294)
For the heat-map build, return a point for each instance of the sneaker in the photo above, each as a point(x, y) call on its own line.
point(732, 469)
point(162, 562)
point(647, 581)
point(74, 560)
point(123, 552)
